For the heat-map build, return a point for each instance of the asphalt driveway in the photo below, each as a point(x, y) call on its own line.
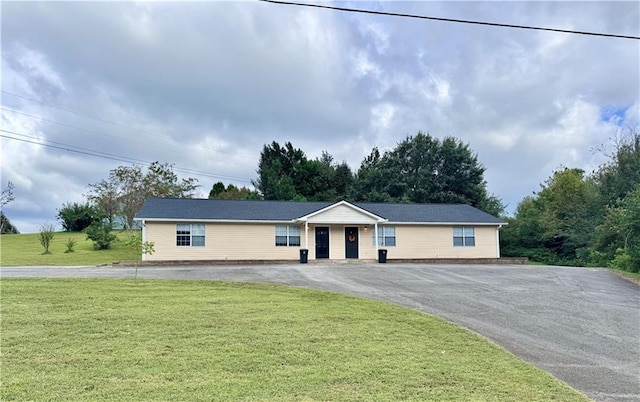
point(581, 325)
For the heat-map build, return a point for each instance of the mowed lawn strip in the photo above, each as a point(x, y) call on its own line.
point(105, 339)
point(25, 249)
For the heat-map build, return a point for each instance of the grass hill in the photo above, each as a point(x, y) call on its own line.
point(25, 249)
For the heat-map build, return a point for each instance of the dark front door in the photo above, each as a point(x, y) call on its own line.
point(351, 242)
point(322, 242)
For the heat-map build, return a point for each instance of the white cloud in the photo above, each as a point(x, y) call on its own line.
point(205, 85)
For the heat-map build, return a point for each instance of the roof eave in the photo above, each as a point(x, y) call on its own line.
point(289, 221)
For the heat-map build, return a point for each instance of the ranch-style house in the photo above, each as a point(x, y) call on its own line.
point(185, 229)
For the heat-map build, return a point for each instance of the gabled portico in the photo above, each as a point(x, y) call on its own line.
point(328, 226)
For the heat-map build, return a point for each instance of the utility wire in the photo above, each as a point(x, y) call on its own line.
point(82, 129)
point(85, 151)
point(75, 147)
point(68, 110)
point(424, 17)
point(102, 134)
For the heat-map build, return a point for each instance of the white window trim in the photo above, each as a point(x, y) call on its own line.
point(382, 236)
point(288, 235)
point(193, 227)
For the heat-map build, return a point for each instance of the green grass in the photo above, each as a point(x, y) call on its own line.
point(25, 249)
point(632, 276)
point(106, 339)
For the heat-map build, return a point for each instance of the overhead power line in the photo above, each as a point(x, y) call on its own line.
point(68, 110)
point(147, 145)
point(85, 151)
point(424, 17)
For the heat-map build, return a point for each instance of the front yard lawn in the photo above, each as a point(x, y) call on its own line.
point(108, 339)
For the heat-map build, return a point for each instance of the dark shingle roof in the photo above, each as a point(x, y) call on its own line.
point(241, 210)
point(436, 213)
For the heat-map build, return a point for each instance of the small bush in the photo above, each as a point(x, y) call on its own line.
point(136, 243)
point(46, 236)
point(101, 235)
point(624, 260)
point(69, 245)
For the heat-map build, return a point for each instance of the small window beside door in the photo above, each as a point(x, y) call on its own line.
point(386, 236)
point(288, 236)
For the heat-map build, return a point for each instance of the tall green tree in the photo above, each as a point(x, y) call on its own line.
point(583, 219)
point(568, 202)
point(124, 191)
point(617, 239)
point(279, 170)
point(423, 169)
point(556, 225)
point(231, 192)
point(217, 189)
point(370, 181)
point(621, 174)
point(523, 236)
point(285, 173)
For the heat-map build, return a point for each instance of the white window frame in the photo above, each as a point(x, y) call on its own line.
point(385, 236)
point(290, 233)
point(192, 233)
point(466, 236)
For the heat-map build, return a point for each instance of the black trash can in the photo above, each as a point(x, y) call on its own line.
point(304, 255)
point(382, 256)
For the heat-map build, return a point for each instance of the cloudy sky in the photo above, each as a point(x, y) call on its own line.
point(204, 85)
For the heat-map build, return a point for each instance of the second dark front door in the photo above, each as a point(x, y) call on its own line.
point(322, 242)
point(351, 242)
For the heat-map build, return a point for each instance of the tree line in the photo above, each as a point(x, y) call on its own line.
point(420, 169)
point(583, 219)
point(574, 219)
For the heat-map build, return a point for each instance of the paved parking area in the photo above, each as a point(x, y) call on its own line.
point(581, 325)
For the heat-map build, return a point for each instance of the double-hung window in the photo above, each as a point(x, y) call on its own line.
point(287, 235)
point(464, 236)
point(190, 235)
point(386, 236)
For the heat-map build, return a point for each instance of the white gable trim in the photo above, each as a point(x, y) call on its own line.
point(374, 218)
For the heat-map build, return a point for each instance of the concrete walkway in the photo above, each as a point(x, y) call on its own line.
point(581, 325)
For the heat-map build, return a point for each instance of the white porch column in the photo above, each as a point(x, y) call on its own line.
point(306, 235)
point(375, 230)
point(498, 241)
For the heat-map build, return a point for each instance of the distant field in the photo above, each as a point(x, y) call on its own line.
point(161, 340)
point(25, 249)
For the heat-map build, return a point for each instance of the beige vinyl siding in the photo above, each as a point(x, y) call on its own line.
point(223, 241)
point(366, 249)
point(256, 241)
point(414, 241)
